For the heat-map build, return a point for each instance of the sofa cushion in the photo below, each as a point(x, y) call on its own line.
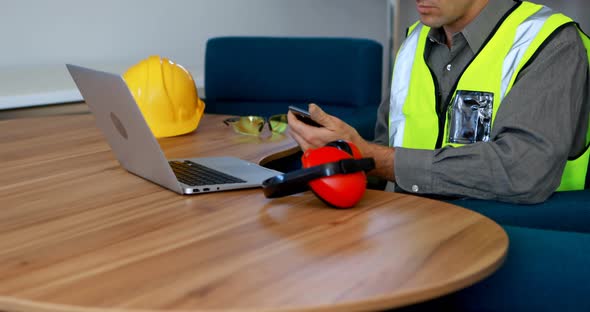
point(567, 211)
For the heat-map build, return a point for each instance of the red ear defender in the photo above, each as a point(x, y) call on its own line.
point(335, 173)
point(342, 190)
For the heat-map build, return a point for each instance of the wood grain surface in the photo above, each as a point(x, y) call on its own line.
point(79, 233)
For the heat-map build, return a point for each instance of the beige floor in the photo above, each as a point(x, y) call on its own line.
point(48, 110)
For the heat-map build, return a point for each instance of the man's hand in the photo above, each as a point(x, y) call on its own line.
point(335, 129)
point(332, 129)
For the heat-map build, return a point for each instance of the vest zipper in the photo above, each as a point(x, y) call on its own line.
point(442, 119)
point(438, 110)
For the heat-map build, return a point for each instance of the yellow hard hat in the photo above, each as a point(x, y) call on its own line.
point(166, 95)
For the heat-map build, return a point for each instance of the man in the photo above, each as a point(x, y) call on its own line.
point(489, 100)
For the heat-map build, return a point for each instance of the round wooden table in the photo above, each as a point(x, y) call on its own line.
point(79, 233)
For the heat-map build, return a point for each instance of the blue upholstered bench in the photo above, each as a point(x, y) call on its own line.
point(264, 75)
point(545, 270)
point(563, 211)
point(548, 262)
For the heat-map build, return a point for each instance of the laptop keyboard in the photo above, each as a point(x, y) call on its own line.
point(191, 173)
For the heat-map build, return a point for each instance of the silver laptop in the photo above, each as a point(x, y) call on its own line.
point(138, 151)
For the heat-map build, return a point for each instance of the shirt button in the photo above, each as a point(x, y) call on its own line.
point(415, 188)
point(449, 66)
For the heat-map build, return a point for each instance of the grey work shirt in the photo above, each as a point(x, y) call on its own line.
point(540, 123)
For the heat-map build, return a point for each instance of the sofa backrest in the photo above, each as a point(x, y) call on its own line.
point(338, 71)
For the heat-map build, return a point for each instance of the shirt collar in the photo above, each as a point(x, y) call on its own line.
point(477, 32)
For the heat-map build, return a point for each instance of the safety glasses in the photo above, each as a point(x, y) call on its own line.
point(253, 125)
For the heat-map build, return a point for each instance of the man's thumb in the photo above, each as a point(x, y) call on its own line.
point(318, 114)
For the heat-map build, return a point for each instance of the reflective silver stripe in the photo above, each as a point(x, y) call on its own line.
point(525, 34)
point(400, 85)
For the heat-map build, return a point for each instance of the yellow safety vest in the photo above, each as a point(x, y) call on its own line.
point(413, 119)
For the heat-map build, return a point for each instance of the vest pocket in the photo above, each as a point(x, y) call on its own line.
point(470, 117)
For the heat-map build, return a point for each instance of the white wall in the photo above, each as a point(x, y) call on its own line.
point(43, 32)
point(39, 36)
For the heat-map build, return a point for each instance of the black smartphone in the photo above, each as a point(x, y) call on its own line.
point(303, 116)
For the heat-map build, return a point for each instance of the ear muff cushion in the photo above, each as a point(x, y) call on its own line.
point(349, 148)
point(341, 145)
point(341, 190)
